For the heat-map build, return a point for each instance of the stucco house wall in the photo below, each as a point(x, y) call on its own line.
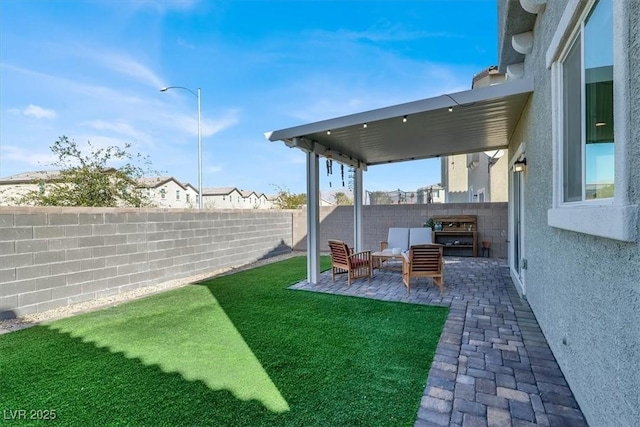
point(583, 289)
point(232, 198)
point(171, 194)
point(498, 179)
point(454, 178)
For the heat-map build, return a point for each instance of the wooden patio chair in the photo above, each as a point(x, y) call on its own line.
point(343, 260)
point(423, 261)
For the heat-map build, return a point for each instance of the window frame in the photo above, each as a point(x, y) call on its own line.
point(616, 217)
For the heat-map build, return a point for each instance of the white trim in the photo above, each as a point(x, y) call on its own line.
point(613, 222)
point(565, 30)
point(313, 219)
point(357, 210)
point(614, 218)
point(481, 191)
point(519, 280)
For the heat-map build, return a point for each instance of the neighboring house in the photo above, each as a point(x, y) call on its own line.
point(168, 192)
point(568, 116)
point(15, 186)
point(163, 192)
point(233, 198)
point(328, 197)
point(477, 177)
point(429, 194)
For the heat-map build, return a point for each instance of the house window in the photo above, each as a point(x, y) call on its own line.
point(590, 62)
point(177, 194)
point(587, 109)
point(187, 196)
point(163, 193)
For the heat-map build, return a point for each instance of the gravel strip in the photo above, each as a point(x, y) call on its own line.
point(28, 320)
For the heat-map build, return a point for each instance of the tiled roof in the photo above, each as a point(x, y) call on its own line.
point(156, 181)
point(27, 177)
point(215, 191)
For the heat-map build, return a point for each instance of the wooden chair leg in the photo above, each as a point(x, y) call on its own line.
point(439, 282)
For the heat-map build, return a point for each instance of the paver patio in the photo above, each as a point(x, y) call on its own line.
point(493, 366)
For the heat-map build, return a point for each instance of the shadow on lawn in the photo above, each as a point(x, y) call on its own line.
point(333, 360)
point(337, 360)
point(88, 385)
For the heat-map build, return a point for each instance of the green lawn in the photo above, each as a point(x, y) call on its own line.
point(238, 350)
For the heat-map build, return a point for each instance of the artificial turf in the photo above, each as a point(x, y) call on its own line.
point(237, 350)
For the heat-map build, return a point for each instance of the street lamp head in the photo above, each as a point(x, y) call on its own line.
point(164, 89)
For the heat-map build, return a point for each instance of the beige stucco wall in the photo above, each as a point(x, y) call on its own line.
point(584, 290)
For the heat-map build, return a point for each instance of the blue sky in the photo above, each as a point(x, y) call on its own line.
point(92, 70)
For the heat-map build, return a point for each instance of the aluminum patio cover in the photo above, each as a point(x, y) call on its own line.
point(480, 119)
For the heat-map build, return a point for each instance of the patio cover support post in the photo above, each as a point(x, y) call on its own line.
point(313, 218)
point(357, 209)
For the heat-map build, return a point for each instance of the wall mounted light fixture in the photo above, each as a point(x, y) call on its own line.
point(520, 165)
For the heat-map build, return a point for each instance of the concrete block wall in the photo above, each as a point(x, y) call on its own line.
point(50, 257)
point(336, 222)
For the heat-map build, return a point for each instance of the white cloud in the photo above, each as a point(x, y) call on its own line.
point(119, 127)
point(213, 169)
point(386, 33)
point(39, 112)
point(297, 158)
point(27, 156)
point(208, 127)
point(182, 42)
point(61, 85)
point(128, 66)
point(163, 6)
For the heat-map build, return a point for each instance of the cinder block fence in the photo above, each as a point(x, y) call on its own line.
point(51, 257)
point(337, 223)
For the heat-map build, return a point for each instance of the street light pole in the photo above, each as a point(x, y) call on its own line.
point(199, 155)
point(197, 95)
